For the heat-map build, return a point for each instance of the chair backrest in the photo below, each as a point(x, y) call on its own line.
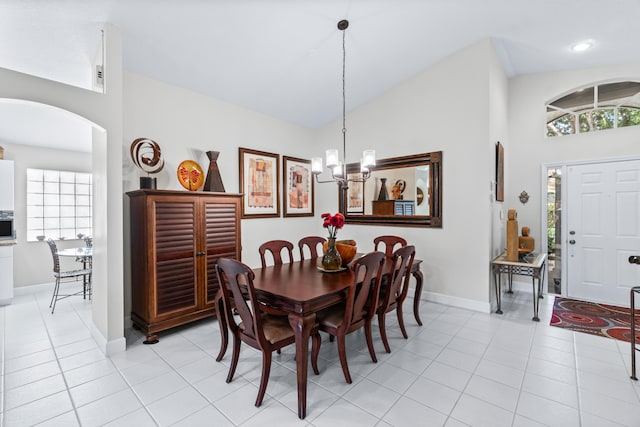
point(275, 247)
point(312, 243)
point(54, 254)
point(389, 243)
point(399, 276)
point(236, 282)
point(362, 297)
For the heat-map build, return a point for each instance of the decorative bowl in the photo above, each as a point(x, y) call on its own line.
point(347, 250)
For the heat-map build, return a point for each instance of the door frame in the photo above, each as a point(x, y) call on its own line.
point(563, 165)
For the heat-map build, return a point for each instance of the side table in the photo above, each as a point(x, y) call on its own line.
point(532, 265)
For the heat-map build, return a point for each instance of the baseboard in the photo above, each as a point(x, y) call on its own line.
point(483, 307)
point(30, 289)
point(108, 347)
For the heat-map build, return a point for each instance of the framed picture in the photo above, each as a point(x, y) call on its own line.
point(297, 190)
point(259, 182)
point(499, 172)
point(355, 195)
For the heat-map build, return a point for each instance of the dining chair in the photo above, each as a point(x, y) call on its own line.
point(260, 330)
point(275, 247)
point(359, 308)
point(311, 242)
point(389, 242)
point(67, 275)
point(393, 290)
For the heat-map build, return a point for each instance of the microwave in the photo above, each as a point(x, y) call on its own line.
point(7, 228)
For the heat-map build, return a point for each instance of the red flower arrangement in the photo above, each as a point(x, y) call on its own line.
point(333, 223)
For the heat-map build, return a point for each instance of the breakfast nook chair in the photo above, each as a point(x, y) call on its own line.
point(65, 276)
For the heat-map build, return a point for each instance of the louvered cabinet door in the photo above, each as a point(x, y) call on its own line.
point(176, 239)
point(222, 238)
point(176, 287)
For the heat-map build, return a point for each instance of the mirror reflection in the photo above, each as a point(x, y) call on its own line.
point(401, 191)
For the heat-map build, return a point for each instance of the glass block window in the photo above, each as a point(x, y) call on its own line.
point(58, 204)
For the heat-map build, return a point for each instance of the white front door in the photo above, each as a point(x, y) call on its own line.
point(603, 215)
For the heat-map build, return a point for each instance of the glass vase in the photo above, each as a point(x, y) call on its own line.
point(331, 259)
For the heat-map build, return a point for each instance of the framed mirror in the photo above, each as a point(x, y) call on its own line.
point(404, 191)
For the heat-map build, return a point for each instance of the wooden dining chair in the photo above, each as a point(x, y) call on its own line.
point(389, 242)
point(275, 247)
point(260, 330)
point(311, 242)
point(358, 309)
point(65, 276)
point(393, 290)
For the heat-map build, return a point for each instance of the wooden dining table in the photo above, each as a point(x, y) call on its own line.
point(301, 289)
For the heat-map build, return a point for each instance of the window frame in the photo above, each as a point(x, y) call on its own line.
point(59, 204)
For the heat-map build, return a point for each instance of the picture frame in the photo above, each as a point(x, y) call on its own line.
point(259, 183)
point(297, 187)
point(355, 194)
point(499, 172)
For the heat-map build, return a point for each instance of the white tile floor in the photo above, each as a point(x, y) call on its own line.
point(461, 368)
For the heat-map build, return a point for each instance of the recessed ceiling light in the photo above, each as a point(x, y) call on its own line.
point(581, 47)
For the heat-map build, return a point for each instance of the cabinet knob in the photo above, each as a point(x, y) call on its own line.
point(201, 253)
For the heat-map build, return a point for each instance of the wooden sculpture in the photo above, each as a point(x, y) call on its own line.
point(512, 235)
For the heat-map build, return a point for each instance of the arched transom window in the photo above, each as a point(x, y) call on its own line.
point(592, 108)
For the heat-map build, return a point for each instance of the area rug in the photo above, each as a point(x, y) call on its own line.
point(593, 318)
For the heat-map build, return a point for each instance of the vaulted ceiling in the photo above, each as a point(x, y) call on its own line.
point(283, 57)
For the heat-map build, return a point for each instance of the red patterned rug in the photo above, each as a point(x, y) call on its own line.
point(592, 318)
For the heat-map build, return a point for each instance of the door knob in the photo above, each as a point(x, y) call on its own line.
point(634, 259)
point(572, 232)
point(573, 242)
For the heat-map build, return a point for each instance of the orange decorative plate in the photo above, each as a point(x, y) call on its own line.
point(190, 175)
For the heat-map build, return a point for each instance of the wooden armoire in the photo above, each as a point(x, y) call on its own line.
point(176, 238)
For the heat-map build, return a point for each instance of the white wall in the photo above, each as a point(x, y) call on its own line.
point(32, 260)
point(446, 107)
point(529, 148)
point(105, 111)
point(186, 125)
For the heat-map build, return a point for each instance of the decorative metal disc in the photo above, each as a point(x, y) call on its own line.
point(145, 154)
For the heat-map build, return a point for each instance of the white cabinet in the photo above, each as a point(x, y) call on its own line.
point(6, 274)
point(6, 185)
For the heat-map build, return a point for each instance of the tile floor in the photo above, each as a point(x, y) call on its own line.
point(462, 368)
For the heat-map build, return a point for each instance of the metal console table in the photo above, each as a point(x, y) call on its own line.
point(532, 265)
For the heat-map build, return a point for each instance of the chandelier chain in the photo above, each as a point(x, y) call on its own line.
point(344, 102)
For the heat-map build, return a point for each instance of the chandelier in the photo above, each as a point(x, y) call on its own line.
point(338, 167)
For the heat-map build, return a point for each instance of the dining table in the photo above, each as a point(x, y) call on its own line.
point(301, 289)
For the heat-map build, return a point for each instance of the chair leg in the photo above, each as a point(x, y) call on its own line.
point(222, 324)
point(383, 331)
point(342, 353)
point(316, 341)
point(266, 369)
point(234, 357)
point(401, 320)
point(54, 297)
point(369, 337)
